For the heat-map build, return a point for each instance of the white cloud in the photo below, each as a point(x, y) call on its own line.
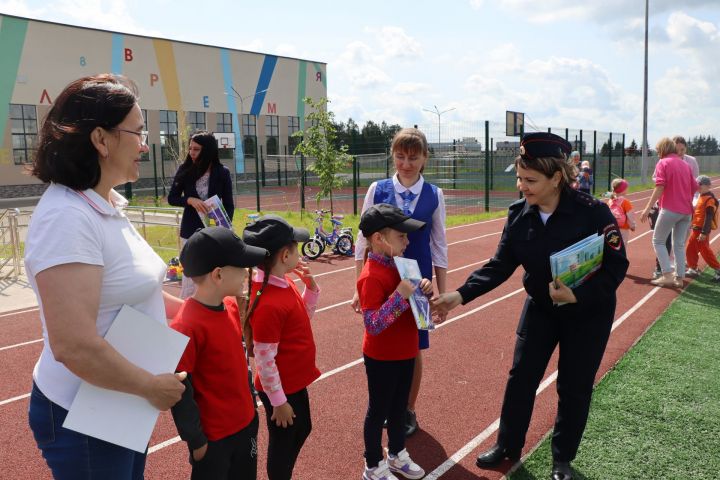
point(395, 43)
point(476, 4)
point(20, 9)
point(411, 88)
point(105, 14)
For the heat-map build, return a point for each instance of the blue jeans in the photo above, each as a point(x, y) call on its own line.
point(75, 456)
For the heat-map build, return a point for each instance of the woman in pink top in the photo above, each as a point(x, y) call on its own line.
point(675, 187)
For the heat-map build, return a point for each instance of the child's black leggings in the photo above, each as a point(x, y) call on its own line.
point(388, 391)
point(284, 444)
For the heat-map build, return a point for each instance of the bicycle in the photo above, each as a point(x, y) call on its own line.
point(341, 239)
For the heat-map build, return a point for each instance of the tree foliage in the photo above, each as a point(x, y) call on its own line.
point(319, 142)
point(702, 145)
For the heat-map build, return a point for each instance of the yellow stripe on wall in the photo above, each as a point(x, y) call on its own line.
point(168, 73)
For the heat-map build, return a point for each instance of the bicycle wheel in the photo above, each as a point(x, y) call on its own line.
point(312, 248)
point(344, 245)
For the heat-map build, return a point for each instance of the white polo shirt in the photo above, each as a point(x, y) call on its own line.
point(70, 226)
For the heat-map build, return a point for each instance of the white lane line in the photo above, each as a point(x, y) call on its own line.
point(485, 434)
point(493, 427)
point(333, 306)
point(13, 399)
point(164, 444)
point(474, 238)
point(21, 344)
point(18, 312)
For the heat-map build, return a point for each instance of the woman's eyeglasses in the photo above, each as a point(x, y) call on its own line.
point(143, 136)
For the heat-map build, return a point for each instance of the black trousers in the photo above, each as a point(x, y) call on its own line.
point(388, 392)
point(582, 336)
point(284, 444)
point(230, 458)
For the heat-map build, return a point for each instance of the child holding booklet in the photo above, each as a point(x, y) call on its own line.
point(284, 348)
point(216, 415)
point(390, 344)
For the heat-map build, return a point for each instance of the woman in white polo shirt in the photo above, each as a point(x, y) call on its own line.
point(85, 261)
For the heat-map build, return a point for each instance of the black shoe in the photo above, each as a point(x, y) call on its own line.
point(495, 455)
point(411, 424)
point(561, 471)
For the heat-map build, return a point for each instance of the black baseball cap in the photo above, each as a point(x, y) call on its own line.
point(273, 233)
point(213, 247)
point(543, 144)
point(384, 215)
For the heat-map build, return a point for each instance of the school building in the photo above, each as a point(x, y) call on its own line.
point(252, 101)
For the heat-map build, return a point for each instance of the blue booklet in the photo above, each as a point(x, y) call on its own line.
point(579, 261)
point(419, 303)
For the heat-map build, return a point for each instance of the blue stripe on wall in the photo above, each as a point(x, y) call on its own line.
point(232, 108)
point(263, 83)
point(118, 41)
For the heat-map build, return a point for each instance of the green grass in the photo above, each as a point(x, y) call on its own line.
point(656, 415)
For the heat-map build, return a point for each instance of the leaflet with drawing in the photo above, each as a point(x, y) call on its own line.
point(122, 418)
point(217, 216)
point(419, 303)
point(577, 262)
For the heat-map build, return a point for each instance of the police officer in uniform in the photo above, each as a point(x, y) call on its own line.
point(550, 217)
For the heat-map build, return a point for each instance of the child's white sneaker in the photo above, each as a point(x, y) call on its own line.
point(403, 465)
point(381, 472)
point(691, 272)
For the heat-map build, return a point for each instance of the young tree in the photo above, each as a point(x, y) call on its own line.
point(319, 142)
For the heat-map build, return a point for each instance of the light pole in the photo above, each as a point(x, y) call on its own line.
point(439, 114)
point(242, 110)
point(644, 161)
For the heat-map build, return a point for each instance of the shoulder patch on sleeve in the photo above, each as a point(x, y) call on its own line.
point(612, 235)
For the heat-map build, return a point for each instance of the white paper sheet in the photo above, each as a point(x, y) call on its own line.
point(121, 418)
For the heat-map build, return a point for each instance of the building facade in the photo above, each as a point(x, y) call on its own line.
point(255, 100)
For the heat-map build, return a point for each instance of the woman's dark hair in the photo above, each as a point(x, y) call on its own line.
point(548, 166)
point(65, 154)
point(209, 155)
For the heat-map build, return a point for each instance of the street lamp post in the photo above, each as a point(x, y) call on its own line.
point(644, 160)
point(242, 111)
point(439, 114)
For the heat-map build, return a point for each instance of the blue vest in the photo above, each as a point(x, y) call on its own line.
point(427, 202)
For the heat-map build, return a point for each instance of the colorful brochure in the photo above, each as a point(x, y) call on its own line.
point(419, 303)
point(217, 216)
point(579, 261)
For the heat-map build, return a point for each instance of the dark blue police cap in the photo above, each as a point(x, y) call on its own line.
point(543, 144)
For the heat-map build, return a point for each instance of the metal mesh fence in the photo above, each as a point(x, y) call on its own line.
point(471, 161)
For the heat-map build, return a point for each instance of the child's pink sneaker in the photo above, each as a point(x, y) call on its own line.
point(402, 464)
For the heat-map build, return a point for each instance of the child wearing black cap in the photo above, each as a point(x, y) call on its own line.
point(284, 348)
point(390, 344)
point(216, 415)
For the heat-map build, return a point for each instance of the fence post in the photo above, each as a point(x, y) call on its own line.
point(155, 169)
point(262, 165)
point(492, 163)
point(354, 178)
point(454, 166)
point(487, 165)
point(387, 162)
point(610, 144)
point(15, 240)
point(567, 134)
point(128, 190)
point(162, 170)
point(257, 182)
point(622, 164)
point(302, 182)
point(278, 173)
point(594, 158)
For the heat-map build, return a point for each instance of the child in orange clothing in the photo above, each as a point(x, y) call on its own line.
point(704, 219)
point(621, 208)
point(390, 344)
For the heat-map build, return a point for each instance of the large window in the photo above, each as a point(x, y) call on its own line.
point(224, 123)
point(169, 135)
point(23, 119)
point(249, 134)
point(272, 134)
point(196, 121)
point(293, 126)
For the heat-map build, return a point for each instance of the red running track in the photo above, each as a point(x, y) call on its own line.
point(465, 372)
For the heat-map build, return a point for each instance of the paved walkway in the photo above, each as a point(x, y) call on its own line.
point(16, 294)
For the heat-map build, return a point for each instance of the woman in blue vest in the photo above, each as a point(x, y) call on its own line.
point(422, 201)
point(199, 177)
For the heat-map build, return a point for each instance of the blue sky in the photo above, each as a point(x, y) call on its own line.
point(564, 63)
